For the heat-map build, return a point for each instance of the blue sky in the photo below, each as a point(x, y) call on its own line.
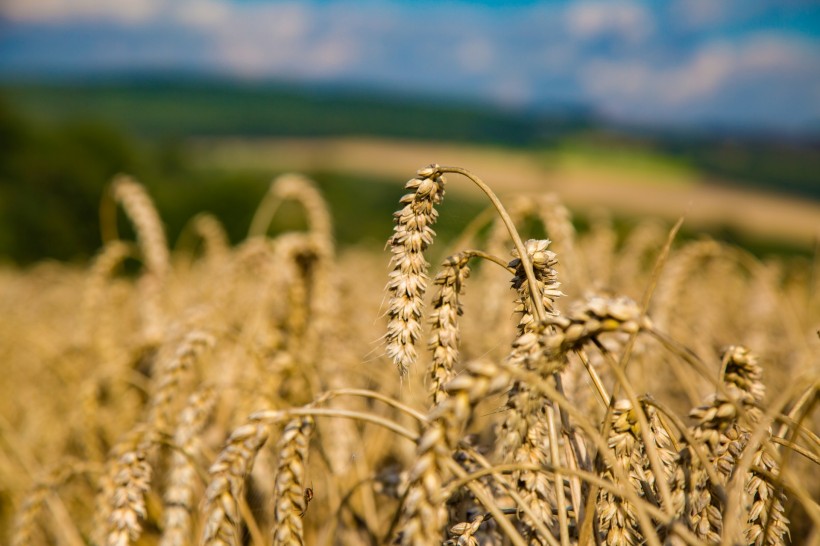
point(686, 63)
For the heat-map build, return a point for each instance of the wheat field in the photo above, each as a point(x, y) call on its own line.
point(520, 384)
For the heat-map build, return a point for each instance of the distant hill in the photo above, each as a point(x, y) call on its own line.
point(168, 108)
point(163, 107)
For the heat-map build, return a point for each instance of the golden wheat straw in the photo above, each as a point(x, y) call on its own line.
point(293, 323)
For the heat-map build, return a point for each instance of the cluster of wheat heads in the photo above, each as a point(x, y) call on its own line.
point(248, 395)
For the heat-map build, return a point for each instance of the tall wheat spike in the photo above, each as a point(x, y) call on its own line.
point(154, 248)
point(408, 279)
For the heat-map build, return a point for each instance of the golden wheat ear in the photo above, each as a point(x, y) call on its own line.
point(153, 245)
point(408, 279)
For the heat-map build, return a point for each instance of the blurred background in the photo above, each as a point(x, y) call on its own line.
point(708, 109)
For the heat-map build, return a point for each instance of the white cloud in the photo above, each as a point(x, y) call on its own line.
point(290, 39)
point(202, 14)
point(708, 70)
point(700, 13)
point(718, 75)
point(512, 91)
point(623, 57)
point(258, 40)
point(129, 12)
point(475, 55)
point(627, 21)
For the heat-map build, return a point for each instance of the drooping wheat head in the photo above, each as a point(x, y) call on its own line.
point(153, 245)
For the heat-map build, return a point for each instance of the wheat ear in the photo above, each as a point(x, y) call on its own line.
point(526, 430)
point(227, 484)
point(408, 279)
point(290, 501)
point(171, 375)
point(154, 247)
point(423, 511)
point(767, 523)
point(179, 496)
point(97, 328)
point(213, 235)
point(444, 336)
point(618, 525)
point(297, 188)
point(716, 430)
point(131, 481)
